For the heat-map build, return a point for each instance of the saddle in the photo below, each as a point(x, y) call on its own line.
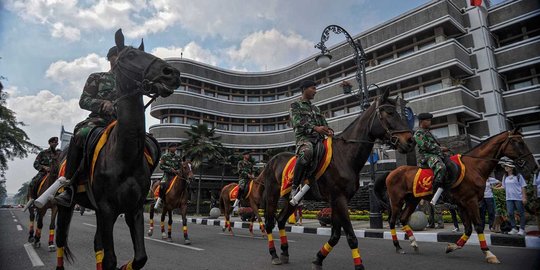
point(233, 194)
point(322, 152)
point(423, 180)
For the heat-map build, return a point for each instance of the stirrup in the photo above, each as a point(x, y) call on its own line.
point(62, 198)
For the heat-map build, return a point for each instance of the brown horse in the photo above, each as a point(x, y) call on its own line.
point(340, 181)
point(176, 197)
point(39, 213)
point(253, 200)
point(479, 163)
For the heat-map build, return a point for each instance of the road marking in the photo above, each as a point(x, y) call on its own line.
point(19, 227)
point(249, 236)
point(14, 220)
point(91, 225)
point(34, 257)
point(173, 244)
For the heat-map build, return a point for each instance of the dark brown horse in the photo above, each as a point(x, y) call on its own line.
point(340, 181)
point(121, 177)
point(39, 213)
point(479, 163)
point(177, 197)
point(253, 200)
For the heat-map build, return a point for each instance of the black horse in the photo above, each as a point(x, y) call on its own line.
point(340, 181)
point(121, 178)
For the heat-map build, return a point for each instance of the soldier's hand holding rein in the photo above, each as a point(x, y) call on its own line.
point(444, 149)
point(107, 107)
point(324, 130)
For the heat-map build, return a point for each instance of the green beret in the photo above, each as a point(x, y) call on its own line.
point(246, 153)
point(307, 83)
point(425, 116)
point(53, 139)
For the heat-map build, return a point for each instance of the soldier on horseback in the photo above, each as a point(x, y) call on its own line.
point(310, 127)
point(43, 164)
point(170, 165)
point(245, 173)
point(98, 95)
point(431, 153)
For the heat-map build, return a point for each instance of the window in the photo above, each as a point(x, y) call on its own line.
point(238, 98)
point(251, 128)
point(192, 121)
point(209, 93)
point(194, 89)
point(410, 94)
point(282, 126)
point(222, 126)
point(223, 96)
point(282, 96)
point(354, 108)
point(209, 124)
point(405, 52)
point(177, 119)
point(269, 98)
point(165, 120)
point(237, 127)
point(269, 127)
point(517, 85)
point(432, 87)
point(338, 112)
point(254, 99)
point(441, 132)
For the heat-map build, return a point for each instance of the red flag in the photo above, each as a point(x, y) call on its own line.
point(476, 3)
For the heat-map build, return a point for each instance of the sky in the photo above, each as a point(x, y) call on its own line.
point(49, 47)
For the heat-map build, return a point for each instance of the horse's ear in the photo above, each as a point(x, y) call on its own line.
point(141, 47)
point(385, 95)
point(516, 129)
point(119, 39)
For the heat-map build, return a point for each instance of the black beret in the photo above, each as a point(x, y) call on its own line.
point(307, 83)
point(246, 153)
point(53, 139)
point(173, 144)
point(425, 116)
point(113, 51)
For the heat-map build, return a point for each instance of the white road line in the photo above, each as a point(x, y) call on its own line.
point(91, 225)
point(34, 257)
point(19, 227)
point(174, 244)
point(254, 237)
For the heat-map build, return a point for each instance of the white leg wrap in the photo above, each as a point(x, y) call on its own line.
point(436, 196)
point(294, 201)
point(49, 193)
point(158, 203)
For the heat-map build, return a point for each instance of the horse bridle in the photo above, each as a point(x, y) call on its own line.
point(519, 160)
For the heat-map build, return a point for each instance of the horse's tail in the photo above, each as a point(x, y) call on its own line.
point(379, 189)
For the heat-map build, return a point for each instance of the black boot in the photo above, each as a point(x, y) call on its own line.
point(73, 161)
point(66, 197)
point(299, 174)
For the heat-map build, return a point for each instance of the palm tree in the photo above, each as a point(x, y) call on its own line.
point(202, 146)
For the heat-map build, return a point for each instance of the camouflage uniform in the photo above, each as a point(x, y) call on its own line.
point(304, 117)
point(245, 169)
point(168, 162)
point(430, 154)
point(45, 158)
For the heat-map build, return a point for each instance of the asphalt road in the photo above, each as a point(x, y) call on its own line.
point(212, 249)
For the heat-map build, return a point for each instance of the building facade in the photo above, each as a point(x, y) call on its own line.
point(477, 69)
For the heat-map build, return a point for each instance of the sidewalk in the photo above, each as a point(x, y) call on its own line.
point(362, 230)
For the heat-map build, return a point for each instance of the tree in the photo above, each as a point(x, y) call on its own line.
point(14, 143)
point(202, 145)
point(22, 193)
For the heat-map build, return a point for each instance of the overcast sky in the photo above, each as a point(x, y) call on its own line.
point(49, 47)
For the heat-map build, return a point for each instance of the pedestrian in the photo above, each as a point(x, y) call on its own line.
point(514, 184)
point(452, 208)
point(487, 205)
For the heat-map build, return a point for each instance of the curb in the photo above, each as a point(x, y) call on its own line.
point(447, 237)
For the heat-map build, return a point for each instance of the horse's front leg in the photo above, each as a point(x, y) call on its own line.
point(183, 211)
point(32, 213)
point(52, 226)
point(255, 208)
point(281, 221)
point(151, 229)
point(135, 222)
point(270, 220)
point(169, 226)
point(37, 236)
point(162, 223)
point(410, 206)
point(103, 240)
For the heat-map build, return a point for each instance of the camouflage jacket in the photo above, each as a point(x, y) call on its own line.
point(427, 144)
point(99, 87)
point(167, 163)
point(304, 117)
point(245, 168)
point(46, 158)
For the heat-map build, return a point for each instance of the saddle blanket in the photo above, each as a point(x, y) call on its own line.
point(171, 184)
point(233, 194)
point(423, 180)
point(288, 172)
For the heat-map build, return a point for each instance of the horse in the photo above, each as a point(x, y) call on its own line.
point(338, 184)
point(176, 197)
point(121, 173)
point(34, 211)
point(254, 199)
point(478, 163)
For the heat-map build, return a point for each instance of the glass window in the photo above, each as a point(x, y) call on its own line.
point(165, 120)
point(432, 87)
point(192, 121)
point(269, 98)
point(354, 108)
point(410, 94)
point(283, 126)
point(405, 52)
point(238, 98)
point(386, 59)
point(254, 99)
point(338, 112)
point(282, 96)
point(237, 127)
point(177, 119)
point(223, 96)
point(194, 89)
point(209, 124)
point(441, 132)
point(222, 126)
point(517, 85)
point(209, 93)
point(269, 127)
point(251, 128)
point(297, 92)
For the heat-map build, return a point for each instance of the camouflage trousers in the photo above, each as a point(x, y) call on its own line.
point(83, 128)
point(304, 151)
point(242, 183)
point(439, 170)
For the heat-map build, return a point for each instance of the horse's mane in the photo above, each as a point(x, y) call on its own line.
point(484, 142)
point(340, 136)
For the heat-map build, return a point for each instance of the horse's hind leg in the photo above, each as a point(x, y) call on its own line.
point(410, 206)
point(270, 220)
point(151, 229)
point(135, 223)
point(32, 213)
point(169, 225)
point(64, 219)
point(54, 211)
point(162, 223)
point(281, 221)
point(37, 236)
point(392, 221)
point(183, 210)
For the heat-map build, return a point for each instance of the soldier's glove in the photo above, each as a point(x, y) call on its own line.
point(107, 107)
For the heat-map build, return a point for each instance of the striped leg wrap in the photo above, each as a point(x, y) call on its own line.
point(394, 235)
point(184, 229)
point(283, 237)
point(99, 259)
point(60, 257)
point(461, 242)
point(483, 243)
point(51, 236)
point(356, 257)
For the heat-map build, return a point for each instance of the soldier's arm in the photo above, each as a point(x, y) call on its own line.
point(37, 161)
point(242, 172)
point(164, 166)
point(299, 120)
point(89, 100)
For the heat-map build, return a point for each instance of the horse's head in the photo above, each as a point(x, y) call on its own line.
point(390, 127)
point(149, 74)
point(186, 172)
point(516, 149)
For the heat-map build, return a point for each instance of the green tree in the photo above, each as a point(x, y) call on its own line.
point(202, 145)
point(21, 195)
point(3, 191)
point(14, 143)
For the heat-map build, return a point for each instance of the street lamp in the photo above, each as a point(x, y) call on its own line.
point(323, 60)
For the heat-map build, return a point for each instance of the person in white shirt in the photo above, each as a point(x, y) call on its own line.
point(516, 197)
point(488, 203)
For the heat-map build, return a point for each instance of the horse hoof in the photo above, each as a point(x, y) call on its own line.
point(59, 268)
point(52, 248)
point(284, 259)
point(400, 251)
point(451, 247)
point(316, 266)
point(416, 249)
point(493, 260)
point(187, 242)
point(37, 245)
point(30, 239)
point(276, 261)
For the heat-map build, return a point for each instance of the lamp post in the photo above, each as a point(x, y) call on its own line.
point(323, 60)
